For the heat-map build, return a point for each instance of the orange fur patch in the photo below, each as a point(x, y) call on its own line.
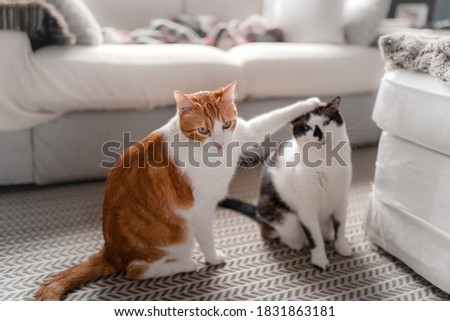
point(142, 191)
point(138, 209)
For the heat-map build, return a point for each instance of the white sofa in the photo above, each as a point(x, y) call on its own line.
point(409, 211)
point(60, 104)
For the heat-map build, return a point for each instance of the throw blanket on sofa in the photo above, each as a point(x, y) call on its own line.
point(200, 30)
point(424, 53)
point(40, 20)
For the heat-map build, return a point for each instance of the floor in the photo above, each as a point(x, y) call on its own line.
point(46, 229)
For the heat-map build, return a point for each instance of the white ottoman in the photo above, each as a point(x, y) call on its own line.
point(409, 214)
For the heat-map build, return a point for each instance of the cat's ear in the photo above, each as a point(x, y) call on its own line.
point(333, 106)
point(183, 101)
point(297, 120)
point(228, 93)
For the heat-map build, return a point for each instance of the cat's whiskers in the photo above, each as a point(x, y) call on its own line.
point(252, 166)
point(353, 127)
point(356, 135)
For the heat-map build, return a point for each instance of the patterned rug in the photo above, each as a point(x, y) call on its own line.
point(46, 229)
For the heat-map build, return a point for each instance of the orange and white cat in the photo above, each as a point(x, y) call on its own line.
point(159, 197)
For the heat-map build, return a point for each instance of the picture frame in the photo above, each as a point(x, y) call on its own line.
point(415, 13)
point(418, 13)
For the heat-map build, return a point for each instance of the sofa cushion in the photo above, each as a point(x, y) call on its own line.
point(316, 21)
point(133, 14)
point(362, 19)
point(292, 70)
point(80, 20)
point(128, 76)
point(17, 65)
point(415, 107)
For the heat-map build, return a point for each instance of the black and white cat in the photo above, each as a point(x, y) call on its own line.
point(305, 186)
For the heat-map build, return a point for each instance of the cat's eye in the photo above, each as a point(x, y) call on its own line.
point(203, 130)
point(226, 124)
point(305, 128)
point(326, 122)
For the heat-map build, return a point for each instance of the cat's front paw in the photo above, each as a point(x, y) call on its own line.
point(219, 258)
point(320, 263)
point(313, 101)
point(309, 104)
point(343, 248)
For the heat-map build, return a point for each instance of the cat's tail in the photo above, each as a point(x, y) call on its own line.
point(60, 283)
point(244, 208)
point(268, 231)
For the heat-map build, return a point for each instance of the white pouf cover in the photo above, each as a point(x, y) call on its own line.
point(409, 212)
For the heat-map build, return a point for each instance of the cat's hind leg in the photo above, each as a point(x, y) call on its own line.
point(164, 262)
point(327, 230)
point(268, 232)
point(141, 270)
point(290, 232)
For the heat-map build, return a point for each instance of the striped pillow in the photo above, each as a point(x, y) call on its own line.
point(43, 24)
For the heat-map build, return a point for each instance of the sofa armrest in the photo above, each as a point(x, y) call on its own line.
point(14, 45)
point(17, 82)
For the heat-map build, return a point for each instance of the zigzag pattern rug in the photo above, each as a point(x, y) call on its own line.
point(46, 229)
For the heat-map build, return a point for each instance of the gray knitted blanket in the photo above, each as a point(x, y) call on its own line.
point(426, 53)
